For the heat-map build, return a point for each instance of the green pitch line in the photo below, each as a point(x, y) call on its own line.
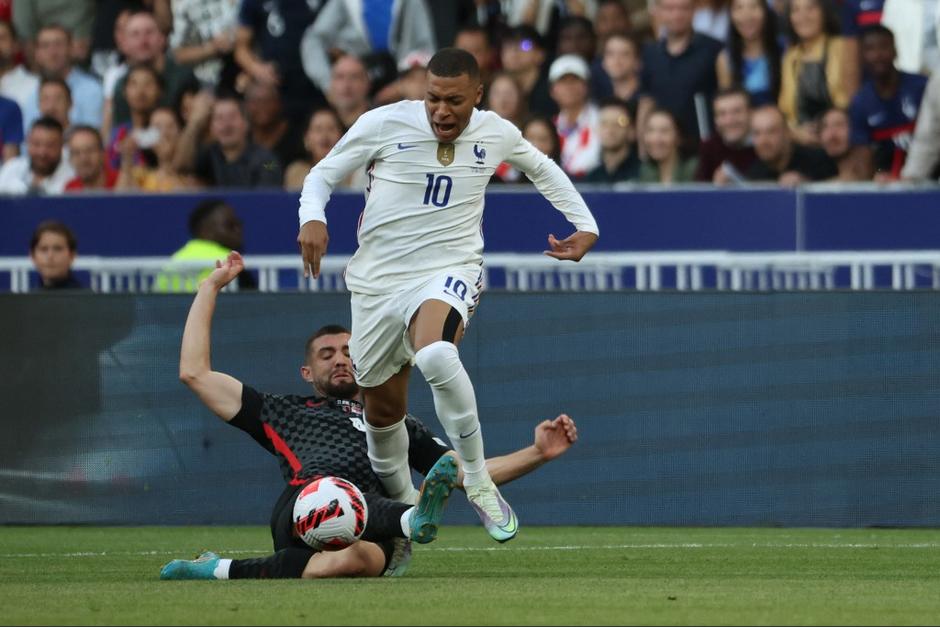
point(561, 576)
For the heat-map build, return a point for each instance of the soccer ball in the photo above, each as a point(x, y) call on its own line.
point(330, 514)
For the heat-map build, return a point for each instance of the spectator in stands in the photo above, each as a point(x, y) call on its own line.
point(817, 72)
point(143, 91)
point(474, 40)
point(619, 161)
point(87, 158)
point(884, 111)
point(323, 131)
point(523, 55)
point(924, 155)
point(231, 160)
point(16, 82)
point(75, 17)
point(136, 46)
point(504, 98)
point(679, 71)
point(611, 17)
point(450, 18)
point(779, 158)
point(147, 46)
point(216, 231)
point(55, 101)
point(727, 155)
point(835, 138)
point(349, 89)
point(53, 249)
point(662, 142)
point(270, 127)
point(620, 61)
point(53, 61)
point(576, 36)
point(916, 27)
point(203, 38)
point(753, 56)
point(11, 129)
point(42, 170)
point(412, 83)
point(541, 133)
point(268, 49)
point(384, 28)
point(577, 118)
point(163, 176)
point(107, 38)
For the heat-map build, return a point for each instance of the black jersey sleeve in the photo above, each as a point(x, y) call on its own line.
point(248, 418)
point(425, 449)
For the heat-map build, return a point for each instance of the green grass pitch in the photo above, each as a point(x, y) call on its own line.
point(561, 576)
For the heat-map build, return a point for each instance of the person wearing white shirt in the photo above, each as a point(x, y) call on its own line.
point(415, 279)
point(42, 170)
point(16, 82)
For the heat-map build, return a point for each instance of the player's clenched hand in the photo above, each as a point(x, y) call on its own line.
point(226, 270)
point(313, 239)
point(573, 247)
point(554, 437)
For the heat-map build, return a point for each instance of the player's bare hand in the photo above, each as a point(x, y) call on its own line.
point(313, 239)
point(573, 247)
point(226, 270)
point(554, 437)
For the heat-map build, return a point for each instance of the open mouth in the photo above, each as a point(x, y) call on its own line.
point(444, 129)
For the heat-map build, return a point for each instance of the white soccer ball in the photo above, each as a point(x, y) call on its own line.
point(330, 514)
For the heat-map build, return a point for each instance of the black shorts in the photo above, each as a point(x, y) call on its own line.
point(282, 525)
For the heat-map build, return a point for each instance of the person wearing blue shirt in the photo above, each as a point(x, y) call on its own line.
point(52, 60)
point(11, 129)
point(884, 111)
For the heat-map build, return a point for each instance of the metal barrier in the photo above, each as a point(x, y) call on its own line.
point(691, 271)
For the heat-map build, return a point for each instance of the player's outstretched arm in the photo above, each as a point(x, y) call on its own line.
point(552, 439)
point(220, 392)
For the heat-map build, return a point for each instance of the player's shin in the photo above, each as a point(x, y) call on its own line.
point(456, 406)
point(388, 454)
point(287, 563)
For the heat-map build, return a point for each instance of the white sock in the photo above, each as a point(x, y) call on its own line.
point(222, 568)
point(456, 406)
point(406, 522)
point(388, 453)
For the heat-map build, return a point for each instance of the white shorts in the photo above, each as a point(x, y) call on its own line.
point(380, 345)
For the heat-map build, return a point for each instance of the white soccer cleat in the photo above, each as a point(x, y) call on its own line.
point(498, 518)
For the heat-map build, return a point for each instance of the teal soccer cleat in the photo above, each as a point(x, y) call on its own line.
point(437, 486)
point(203, 567)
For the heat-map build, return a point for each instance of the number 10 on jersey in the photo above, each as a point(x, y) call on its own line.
point(437, 192)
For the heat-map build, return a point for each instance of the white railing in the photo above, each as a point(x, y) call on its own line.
point(682, 271)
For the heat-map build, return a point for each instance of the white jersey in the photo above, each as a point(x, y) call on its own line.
point(424, 201)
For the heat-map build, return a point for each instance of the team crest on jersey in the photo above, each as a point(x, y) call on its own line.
point(480, 153)
point(445, 154)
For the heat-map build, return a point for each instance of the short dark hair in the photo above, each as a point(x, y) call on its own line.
point(329, 329)
point(475, 30)
point(230, 96)
point(9, 26)
point(56, 81)
point(91, 130)
point(727, 92)
point(876, 29)
point(149, 69)
point(53, 226)
point(576, 21)
point(619, 103)
point(49, 123)
point(627, 37)
point(201, 213)
point(59, 27)
point(453, 62)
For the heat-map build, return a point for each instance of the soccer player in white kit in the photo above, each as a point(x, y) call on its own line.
point(415, 279)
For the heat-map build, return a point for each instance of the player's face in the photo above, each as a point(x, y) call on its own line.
point(329, 367)
point(449, 102)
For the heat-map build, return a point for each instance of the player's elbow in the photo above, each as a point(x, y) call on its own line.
point(190, 376)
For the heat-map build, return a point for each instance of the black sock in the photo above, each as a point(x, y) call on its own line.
point(384, 521)
point(285, 564)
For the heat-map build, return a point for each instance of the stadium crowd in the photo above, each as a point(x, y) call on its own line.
point(164, 95)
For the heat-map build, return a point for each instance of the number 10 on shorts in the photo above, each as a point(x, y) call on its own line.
point(456, 287)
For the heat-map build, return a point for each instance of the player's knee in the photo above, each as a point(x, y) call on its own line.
point(439, 362)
